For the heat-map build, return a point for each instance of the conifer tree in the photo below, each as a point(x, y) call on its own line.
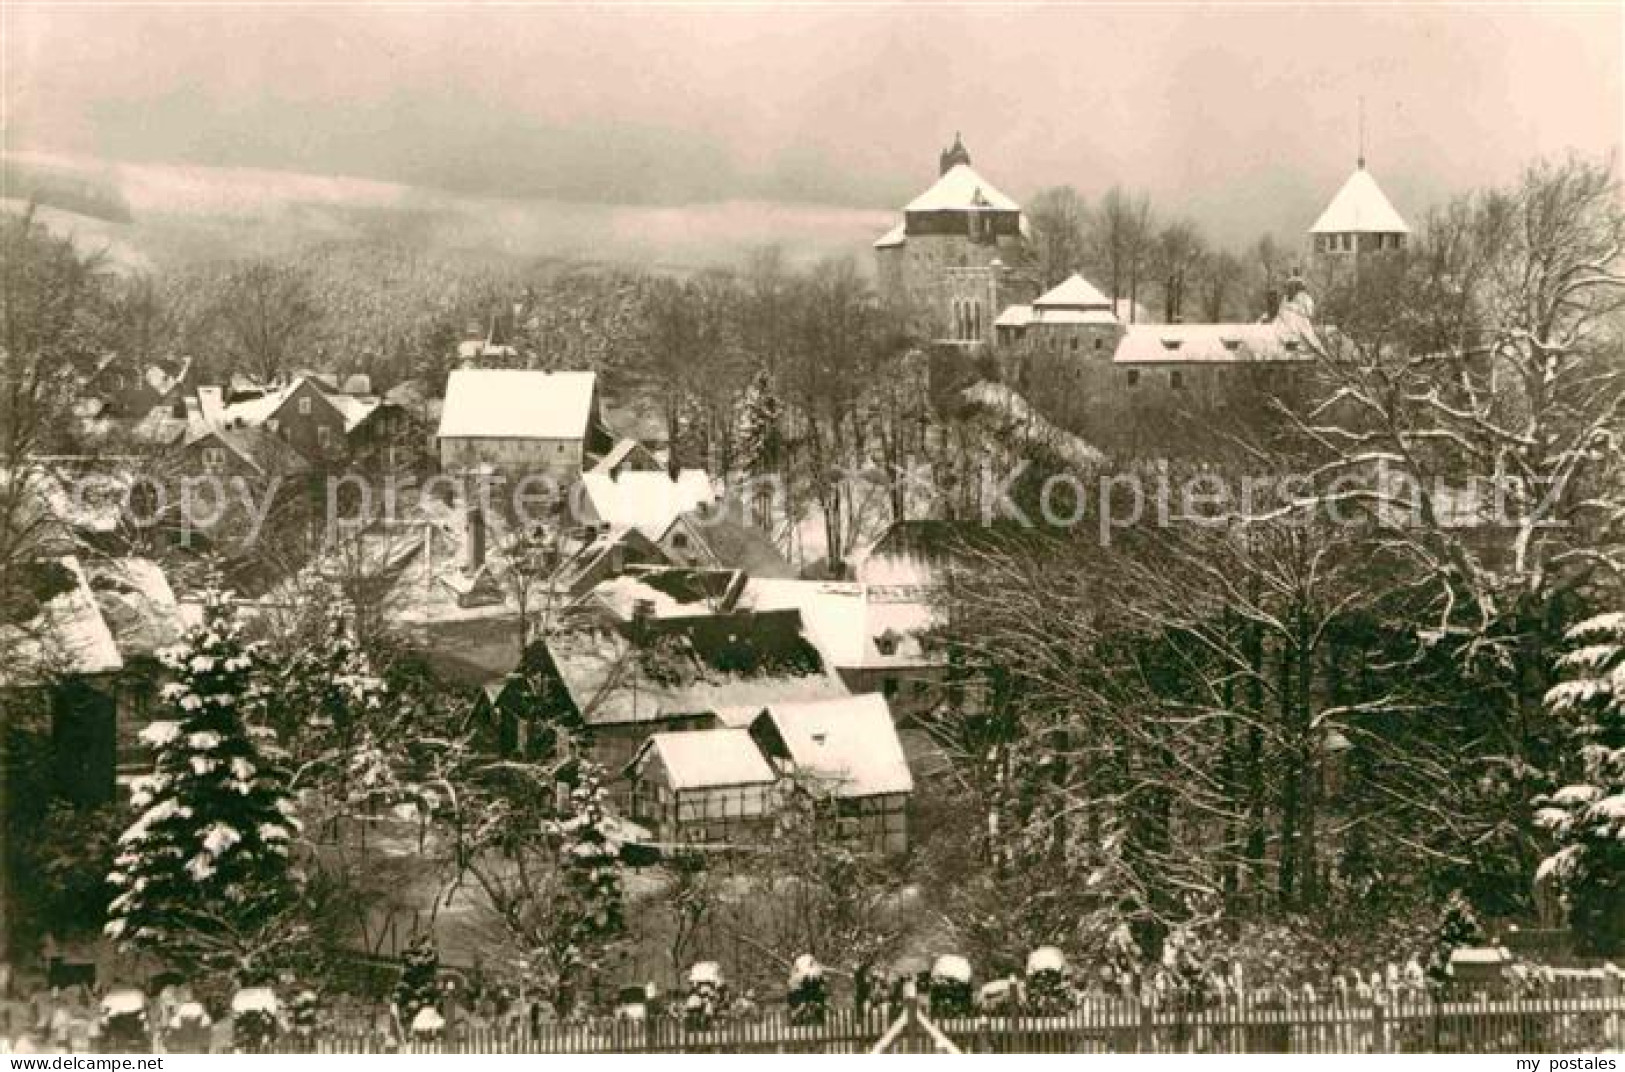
point(594, 909)
point(419, 986)
point(204, 871)
point(1458, 926)
point(1587, 817)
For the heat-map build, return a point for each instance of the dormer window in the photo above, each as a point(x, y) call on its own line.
point(1231, 344)
point(1292, 346)
point(886, 643)
point(1171, 344)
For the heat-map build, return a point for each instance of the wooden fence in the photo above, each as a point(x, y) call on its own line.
point(1523, 1025)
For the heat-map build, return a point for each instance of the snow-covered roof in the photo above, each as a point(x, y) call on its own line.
point(1360, 207)
point(849, 743)
point(517, 404)
point(706, 971)
point(68, 635)
point(648, 501)
point(854, 627)
point(892, 238)
point(1014, 316)
point(952, 966)
point(428, 1020)
point(1075, 292)
point(1209, 344)
point(137, 603)
point(961, 189)
point(701, 664)
point(710, 759)
point(354, 408)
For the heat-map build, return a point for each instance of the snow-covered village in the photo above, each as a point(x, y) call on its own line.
point(808, 531)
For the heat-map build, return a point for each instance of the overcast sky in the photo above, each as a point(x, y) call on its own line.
point(1243, 117)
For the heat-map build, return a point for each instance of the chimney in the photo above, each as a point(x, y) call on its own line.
point(474, 544)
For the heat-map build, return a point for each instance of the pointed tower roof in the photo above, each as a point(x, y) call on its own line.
point(1360, 207)
point(961, 189)
point(1075, 292)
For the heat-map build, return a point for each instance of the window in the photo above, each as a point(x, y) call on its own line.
point(679, 540)
point(1134, 377)
point(324, 436)
point(304, 406)
point(1176, 380)
point(214, 459)
point(1099, 343)
point(1076, 342)
point(888, 687)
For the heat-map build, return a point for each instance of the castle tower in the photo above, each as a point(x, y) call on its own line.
point(1359, 223)
point(960, 254)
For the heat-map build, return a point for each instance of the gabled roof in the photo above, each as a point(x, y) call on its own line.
point(1075, 292)
point(849, 744)
point(517, 404)
point(708, 759)
point(961, 189)
point(892, 238)
point(256, 446)
point(690, 666)
point(67, 636)
point(648, 501)
point(1360, 207)
point(1014, 316)
point(137, 603)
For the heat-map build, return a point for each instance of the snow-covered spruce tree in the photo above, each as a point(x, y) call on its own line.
point(1458, 926)
point(327, 703)
point(204, 871)
point(1587, 817)
point(594, 900)
point(419, 985)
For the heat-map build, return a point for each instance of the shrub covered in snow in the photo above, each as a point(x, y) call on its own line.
point(1048, 982)
point(123, 1021)
point(951, 993)
point(707, 995)
point(807, 993)
point(255, 1019)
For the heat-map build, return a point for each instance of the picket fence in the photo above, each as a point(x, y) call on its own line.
point(1520, 1025)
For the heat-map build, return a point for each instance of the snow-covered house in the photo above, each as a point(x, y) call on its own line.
point(60, 663)
point(848, 749)
point(709, 786)
point(879, 639)
point(721, 784)
point(521, 421)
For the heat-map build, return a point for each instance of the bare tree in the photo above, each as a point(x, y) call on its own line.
point(1060, 219)
point(266, 316)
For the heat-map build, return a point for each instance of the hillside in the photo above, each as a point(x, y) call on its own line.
point(170, 214)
